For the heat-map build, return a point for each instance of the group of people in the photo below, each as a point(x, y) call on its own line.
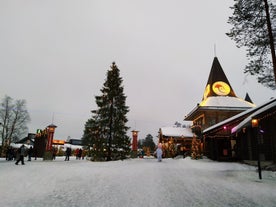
point(78, 152)
point(23, 151)
point(11, 153)
point(18, 154)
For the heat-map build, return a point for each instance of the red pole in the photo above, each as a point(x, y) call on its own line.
point(50, 136)
point(134, 140)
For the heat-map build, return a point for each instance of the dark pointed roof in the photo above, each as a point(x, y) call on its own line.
point(217, 82)
point(52, 126)
point(247, 98)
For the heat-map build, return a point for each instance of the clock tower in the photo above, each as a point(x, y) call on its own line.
point(217, 84)
point(218, 103)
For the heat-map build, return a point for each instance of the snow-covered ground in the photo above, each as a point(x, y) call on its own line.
point(134, 182)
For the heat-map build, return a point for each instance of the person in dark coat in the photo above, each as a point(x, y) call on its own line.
point(21, 152)
point(54, 153)
point(30, 153)
point(9, 154)
point(79, 153)
point(67, 154)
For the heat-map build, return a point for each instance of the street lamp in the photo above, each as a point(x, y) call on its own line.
point(134, 142)
point(50, 135)
point(255, 126)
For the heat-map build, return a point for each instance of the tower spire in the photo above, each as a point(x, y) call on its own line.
point(217, 84)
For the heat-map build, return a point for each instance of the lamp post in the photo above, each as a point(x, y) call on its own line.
point(50, 135)
point(255, 126)
point(134, 142)
point(51, 131)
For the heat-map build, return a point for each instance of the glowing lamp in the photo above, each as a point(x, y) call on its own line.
point(254, 123)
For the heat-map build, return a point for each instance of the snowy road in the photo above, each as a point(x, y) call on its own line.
point(135, 182)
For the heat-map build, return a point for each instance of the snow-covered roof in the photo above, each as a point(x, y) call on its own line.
point(18, 145)
point(221, 103)
point(247, 121)
point(244, 113)
point(226, 101)
point(176, 132)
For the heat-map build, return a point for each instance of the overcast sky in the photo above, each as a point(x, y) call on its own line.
point(55, 55)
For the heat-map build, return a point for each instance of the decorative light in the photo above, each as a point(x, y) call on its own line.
point(254, 122)
point(221, 88)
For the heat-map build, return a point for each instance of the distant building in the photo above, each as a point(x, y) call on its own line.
point(29, 140)
point(75, 141)
point(175, 140)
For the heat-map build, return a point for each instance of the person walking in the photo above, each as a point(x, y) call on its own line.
point(159, 152)
point(67, 154)
point(21, 152)
point(30, 153)
point(9, 153)
point(54, 153)
point(79, 153)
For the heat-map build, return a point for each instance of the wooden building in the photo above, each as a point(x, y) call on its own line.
point(236, 139)
point(256, 135)
point(175, 140)
point(219, 102)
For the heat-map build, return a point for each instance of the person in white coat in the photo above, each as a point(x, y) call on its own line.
point(159, 152)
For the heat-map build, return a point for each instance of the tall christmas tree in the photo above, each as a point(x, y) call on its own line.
point(106, 131)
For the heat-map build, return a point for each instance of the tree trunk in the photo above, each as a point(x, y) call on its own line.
point(271, 39)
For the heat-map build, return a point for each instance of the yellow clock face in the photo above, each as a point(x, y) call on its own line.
point(221, 88)
point(206, 92)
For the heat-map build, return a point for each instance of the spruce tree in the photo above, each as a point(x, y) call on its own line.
point(107, 129)
point(92, 139)
point(149, 143)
